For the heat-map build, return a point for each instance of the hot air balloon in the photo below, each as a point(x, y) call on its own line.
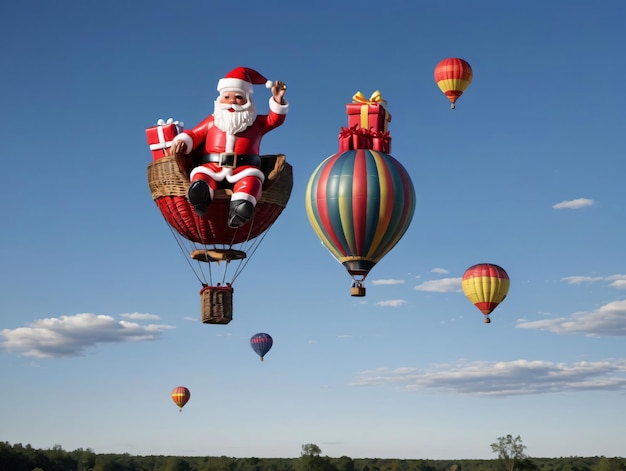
point(485, 285)
point(221, 251)
point(180, 396)
point(453, 76)
point(360, 201)
point(261, 344)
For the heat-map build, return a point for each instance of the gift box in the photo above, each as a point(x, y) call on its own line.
point(369, 113)
point(160, 136)
point(381, 141)
point(345, 138)
point(362, 139)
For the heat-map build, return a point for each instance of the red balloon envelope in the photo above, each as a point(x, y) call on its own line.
point(453, 76)
point(180, 396)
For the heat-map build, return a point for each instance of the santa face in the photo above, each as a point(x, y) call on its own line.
point(233, 112)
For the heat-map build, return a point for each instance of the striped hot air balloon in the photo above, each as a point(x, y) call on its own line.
point(180, 396)
point(453, 76)
point(485, 285)
point(360, 203)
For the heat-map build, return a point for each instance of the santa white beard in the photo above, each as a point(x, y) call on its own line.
point(232, 122)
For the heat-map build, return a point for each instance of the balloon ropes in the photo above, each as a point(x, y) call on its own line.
point(216, 236)
point(453, 76)
point(180, 396)
point(485, 285)
point(261, 344)
point(360, 201)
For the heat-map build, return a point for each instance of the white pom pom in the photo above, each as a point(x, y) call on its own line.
point(269, 84)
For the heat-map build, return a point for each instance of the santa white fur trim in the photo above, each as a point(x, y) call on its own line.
point(247, 172)
point(234, 84)
point(227, 173)
point(277, 107)
point(186, 138)
point(243, 197)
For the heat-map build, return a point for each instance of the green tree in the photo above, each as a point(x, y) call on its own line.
point(609, 464)
point(510, 450)
point(344, 463)
point(310, 459)
point(310, 449)
point(175, 463)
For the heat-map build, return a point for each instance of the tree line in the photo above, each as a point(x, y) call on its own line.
point(18, 457)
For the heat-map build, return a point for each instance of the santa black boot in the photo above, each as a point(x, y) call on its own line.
point(240, 213)
point(199, 196)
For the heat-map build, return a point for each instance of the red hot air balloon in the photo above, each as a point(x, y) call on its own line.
point(180, 396)
point(360, 201)
point(485, 285)
point(453, 76)
point(224, 250)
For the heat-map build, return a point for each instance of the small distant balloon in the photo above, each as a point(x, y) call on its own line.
point(261, 344)
point(485, 285)
point(180, 396)
point(453, 76)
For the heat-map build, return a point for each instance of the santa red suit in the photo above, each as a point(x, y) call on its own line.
point(233, 158)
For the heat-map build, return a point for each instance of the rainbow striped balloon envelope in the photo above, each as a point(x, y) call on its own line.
point(485, 285)
point(360, 203)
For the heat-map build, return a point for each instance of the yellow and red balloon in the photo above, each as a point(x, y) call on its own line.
point(453, 76)
point(485, 285)
point(180, 396)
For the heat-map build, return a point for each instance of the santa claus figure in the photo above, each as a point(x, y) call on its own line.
point(232, 137)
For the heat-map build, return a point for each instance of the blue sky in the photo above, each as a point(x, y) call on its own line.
point(100, 315)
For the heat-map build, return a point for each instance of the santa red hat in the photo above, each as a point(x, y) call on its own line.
point(242, 79)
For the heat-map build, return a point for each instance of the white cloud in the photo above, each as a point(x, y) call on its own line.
point(608, 320)
point(344, 336)
point(391, 303)
point(72, 335)
point(574, 204)
point(440, 271)
point(512, 378)
point(138, 316)
point(617, 281)
point(444, 285)
point(576, 280)
point(387, 282)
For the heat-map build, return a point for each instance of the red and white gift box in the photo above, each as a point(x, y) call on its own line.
point(160, 136)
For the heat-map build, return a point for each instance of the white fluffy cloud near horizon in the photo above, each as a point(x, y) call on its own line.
point(502, 378)
point(608, 320)
point(66, 336)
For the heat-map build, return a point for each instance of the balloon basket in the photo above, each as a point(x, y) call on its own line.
point(357, 290)
point(217, 304)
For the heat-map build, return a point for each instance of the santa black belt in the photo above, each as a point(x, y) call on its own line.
point(232, 160)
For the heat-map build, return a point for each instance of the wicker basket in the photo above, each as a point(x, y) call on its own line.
point(166, 179)
point(217, 304)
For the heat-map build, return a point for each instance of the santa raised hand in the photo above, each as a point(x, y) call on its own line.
point(232, 137)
